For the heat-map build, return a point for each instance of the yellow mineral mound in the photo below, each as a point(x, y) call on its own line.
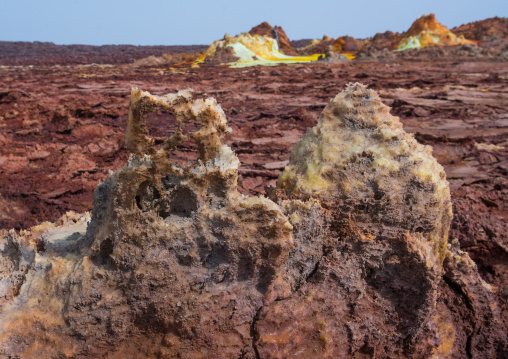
point(427, 31)
point(246, 50)
point(345, 45)
point(318, 46)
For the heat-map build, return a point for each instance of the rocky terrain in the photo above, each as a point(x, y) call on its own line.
point(63, 128)
point(425, 40)
point(490, 33)
point(349, 257)
point(262, 45)
point(47, 53)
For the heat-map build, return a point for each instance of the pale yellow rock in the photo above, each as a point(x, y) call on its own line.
point(359, 153)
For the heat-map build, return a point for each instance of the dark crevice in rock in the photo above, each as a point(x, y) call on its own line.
point(254, 333)
point(14, 254)
point(311, 274)
point(307, 278)
point(105, 250)
point(147, 196)
point(468, 346)
point(458, 290)
point(266, 276)
point(183, 203)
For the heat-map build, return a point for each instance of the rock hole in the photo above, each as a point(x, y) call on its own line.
point(184, 259)
point(220, 254)
point(150, 319)
point(161, 124)
point(147, 196)
point(245, 266)
point(186, 154)
point(217, 187)
point(169, 183)
point(138, 202)
point(265, 278)
point(378, 193)
point(105, 250)
point(405, 286)
point(183, 202)
point(217, 193)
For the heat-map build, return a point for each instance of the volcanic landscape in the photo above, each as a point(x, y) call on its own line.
point(64, 111)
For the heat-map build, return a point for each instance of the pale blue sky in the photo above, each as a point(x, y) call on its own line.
point(185, 22)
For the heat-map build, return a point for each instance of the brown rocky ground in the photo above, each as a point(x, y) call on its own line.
point(62, 129)
point(47, 53)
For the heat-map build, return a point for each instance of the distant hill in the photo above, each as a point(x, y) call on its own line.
point(489, 33)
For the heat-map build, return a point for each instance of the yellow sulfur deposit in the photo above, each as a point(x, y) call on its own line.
point(427, 31)
point(360, 154)
point(252, 50)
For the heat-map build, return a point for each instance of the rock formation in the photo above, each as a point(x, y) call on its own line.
point(316, 46)
point(489, 32)
point(349, 258)
point(437, 41)
point(277, 33)
point(427, 31)
point(379, 42)
point(331, 56)
point(345, 45)
point(249, 50)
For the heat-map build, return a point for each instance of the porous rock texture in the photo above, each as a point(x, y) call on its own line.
point(349, 257)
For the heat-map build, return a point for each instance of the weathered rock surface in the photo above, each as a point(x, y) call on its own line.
point(346, 44)
point(380, 41)
point(349, 258)
point(390, 212)
point(490, 33)
point(484, 39)
point(278, 33)
point(333, 57)
point(316, 46)
point(333, 47)
point(427, 31)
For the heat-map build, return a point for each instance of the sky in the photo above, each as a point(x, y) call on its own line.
point(186, 22)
